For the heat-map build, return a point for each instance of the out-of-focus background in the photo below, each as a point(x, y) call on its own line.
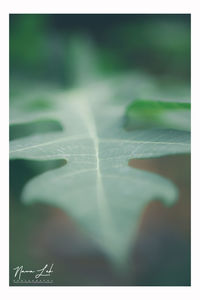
point(43, 53)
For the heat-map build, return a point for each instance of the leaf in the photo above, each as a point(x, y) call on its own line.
point(96, 187)
point(158, 114)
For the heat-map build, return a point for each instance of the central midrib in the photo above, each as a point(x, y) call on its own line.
point(89, 120)
point(105, 216)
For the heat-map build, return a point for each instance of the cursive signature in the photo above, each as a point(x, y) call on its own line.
point(45, 271)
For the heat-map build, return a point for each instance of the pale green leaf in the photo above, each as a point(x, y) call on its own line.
point(96, 187)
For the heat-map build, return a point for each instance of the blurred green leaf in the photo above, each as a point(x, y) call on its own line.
point(158, 114)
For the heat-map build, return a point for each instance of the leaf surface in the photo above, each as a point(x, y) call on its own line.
point(96, 187)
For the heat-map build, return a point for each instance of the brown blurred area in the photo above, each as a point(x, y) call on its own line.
point(162, 253)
